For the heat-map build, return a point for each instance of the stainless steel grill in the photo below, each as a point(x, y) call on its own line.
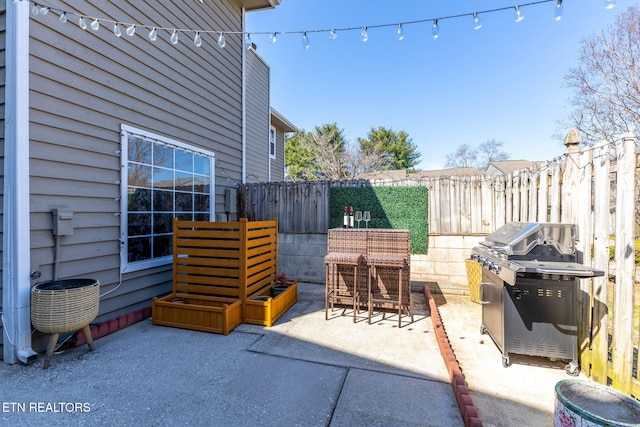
point(529, 289)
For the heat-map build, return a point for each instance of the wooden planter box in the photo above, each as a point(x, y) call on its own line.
point(266, 311)
point(218, 268)
point(200, 313)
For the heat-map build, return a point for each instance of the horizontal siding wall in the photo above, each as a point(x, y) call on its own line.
point(257, 107)
point(84, 86)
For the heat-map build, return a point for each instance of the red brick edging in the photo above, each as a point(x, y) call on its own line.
point(460, 390)
point(99, 330)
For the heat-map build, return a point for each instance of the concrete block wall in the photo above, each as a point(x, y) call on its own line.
point(444, 263)
point(301, 256)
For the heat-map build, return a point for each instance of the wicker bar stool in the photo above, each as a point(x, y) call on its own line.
point(340, 291)
point(346, 249)
point(388, 257)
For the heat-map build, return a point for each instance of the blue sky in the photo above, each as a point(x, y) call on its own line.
point(504, 81)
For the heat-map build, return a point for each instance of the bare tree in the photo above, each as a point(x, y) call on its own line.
point(490, 151)
point(478, 157)
point(606, 83)
point(318, 155)
point(464, 157)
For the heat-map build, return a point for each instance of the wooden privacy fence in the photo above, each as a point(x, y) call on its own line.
point(593, 187)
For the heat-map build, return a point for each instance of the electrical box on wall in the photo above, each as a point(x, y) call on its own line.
point(62, 222)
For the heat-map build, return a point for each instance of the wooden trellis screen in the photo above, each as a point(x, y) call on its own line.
point(583, 187)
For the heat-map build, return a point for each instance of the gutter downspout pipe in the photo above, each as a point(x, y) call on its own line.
point(244, 97)
point(16, 241)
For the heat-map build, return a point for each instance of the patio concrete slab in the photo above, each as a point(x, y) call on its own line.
point(303, 371)
point(522, 394)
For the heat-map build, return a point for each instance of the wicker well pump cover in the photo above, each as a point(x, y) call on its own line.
point(64, 305)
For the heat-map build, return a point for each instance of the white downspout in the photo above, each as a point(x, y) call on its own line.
point(16, 241)
point(244, 99)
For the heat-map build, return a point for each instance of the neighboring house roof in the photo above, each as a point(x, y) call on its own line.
point(449, 172)
point(250, 5)
point(510, 166)
point(403, 174)
point(386, 174)
point(280, 121)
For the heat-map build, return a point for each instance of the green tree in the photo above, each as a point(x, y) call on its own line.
point(385, 149)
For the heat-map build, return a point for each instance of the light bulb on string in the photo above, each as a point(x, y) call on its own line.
point(477, 24)
point(116, 30)
point(197, 40)
point(63, 17)
point(333, 35)
point(153, 34)
point(364, 34)
point(82, 23)
point(519, 15)
point(435, 30)
point(35, 9)
point(609, 4)
point(247, 41)
point(305, 41)
point(131, 30)
point(273, 37)
point(174, 37)
point(44, 10)
point(558, 11)
point(222, 42)
point(400, 32)
point(95, 25)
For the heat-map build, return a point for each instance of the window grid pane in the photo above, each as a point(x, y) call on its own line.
point(163, 181)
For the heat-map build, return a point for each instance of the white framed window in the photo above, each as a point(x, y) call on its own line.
point(161, 179)
point(272, 142)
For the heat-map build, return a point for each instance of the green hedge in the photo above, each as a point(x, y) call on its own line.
point(390, 207)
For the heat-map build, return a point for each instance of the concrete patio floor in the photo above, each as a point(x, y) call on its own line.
point(304, 371)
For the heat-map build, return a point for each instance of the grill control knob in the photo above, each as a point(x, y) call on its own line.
point(495, 267)
point(475, 256)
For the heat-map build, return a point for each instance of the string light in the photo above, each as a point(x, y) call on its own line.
point(400, 32)
point(39, 9)
point(174, 37)
point(305, 41)
point(364, 34)
point(197, 39)
point(558, 12)
point(273, 38)
point(222, 42)
point(519, 15)
point(116, 30)
point(476, 22)
point(435, 30)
